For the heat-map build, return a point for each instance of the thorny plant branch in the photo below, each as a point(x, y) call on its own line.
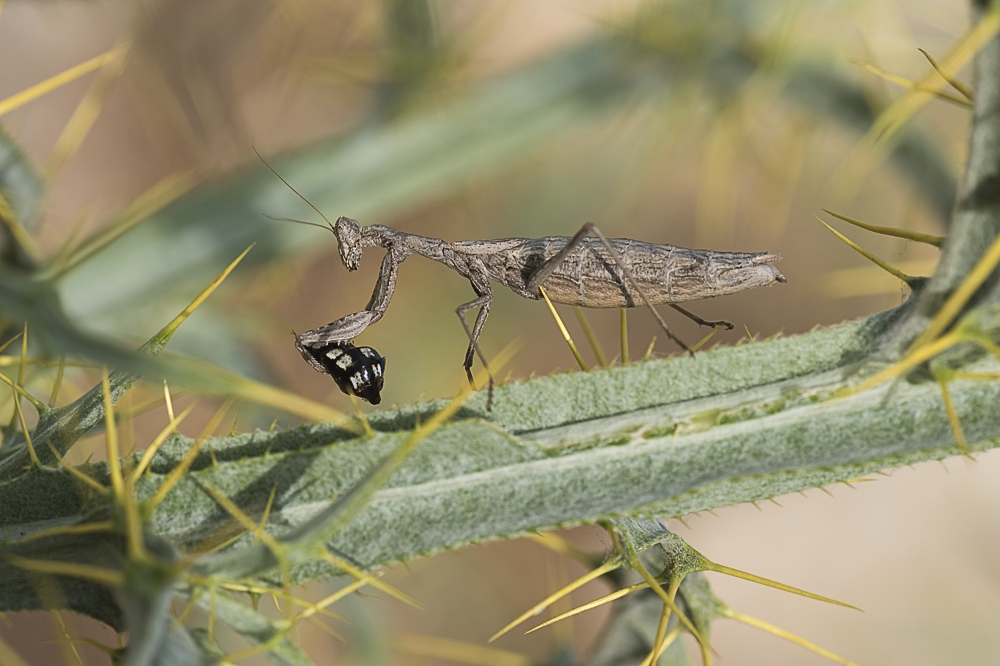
point(976, 220)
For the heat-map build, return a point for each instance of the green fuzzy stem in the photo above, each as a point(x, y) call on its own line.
point(664, 438)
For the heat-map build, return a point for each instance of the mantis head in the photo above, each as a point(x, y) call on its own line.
point(348, 233)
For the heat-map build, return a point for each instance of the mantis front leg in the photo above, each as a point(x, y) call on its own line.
point(349, 327)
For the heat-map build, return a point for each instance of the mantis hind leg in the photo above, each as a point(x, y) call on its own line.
point(483, 303)
point(702, 322)
point(546, 269)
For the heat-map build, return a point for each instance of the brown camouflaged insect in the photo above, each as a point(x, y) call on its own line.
point(588, 272)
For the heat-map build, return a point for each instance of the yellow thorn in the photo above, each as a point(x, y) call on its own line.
point(321, 605)
point(953, 306)
point(71, 569)
point(263, 590)
point(18, 231)
point(178, 472)
point(787, 635)
point(361, 415)
point(623, 334)
point(912, 359)
point(912, 85)
point(359, 575)
point(617, 594)
point(558, 544)
point(565, 333)
point(915, 236)
point(4, 346)
point(24, 428)
point(168, 401)
point(24, 355)
point(736, 573)
point(698, 345)
point(212, 592)
point(77, 474)
point(610, 565)
point(86, 528)
point(907, 105)
point(175, 323)
point(9, 656)
point(85, 114)
point(660, 636)
point(649, 349)
point(668, 640)
point(138, 211)
point(955, 83)
point(57, 384)
point(68, 246)
point(147, 455)
point(956, 424)
point(457, 651)
point(267, 508)
point(67, 640)
point(48, 85)
point(111, 437)
point(82, 640)
point(591, 338)
point(869, 256)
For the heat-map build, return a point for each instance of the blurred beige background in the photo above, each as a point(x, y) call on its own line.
point(207, 81)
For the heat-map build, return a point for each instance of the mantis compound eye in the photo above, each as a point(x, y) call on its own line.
point(357, 370)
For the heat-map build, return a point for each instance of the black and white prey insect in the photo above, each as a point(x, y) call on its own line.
point(356, 370)
point(583, 271)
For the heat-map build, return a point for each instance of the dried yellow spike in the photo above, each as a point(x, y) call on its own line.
point(71, 569)
point(916, 236)
point(912, 85)
point(57, 384)
point(85, 528)
point(48, 85)
point(111, 439)
point(608, 566)
point(786, 635)
point(565, 333)
point(607, 598)
point(19, 414)
point(86, 113)
point(953, 306)
point(360, 575)
point(7, 653)
point(18, 230)
point(147, 455)
point(139, 210)
point(457, 651)
point(591, 338)
point(904, 108)
point(953, 421)
point(736, 573)
point(869, 256)
point(955, 83)
point(178, 472)
point(361, 415)
point(623, 334)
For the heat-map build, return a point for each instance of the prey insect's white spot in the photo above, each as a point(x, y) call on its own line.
point(357, 379)
point(344, 362)
point(377, 370)
point(367, 352)
point(334, 354)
